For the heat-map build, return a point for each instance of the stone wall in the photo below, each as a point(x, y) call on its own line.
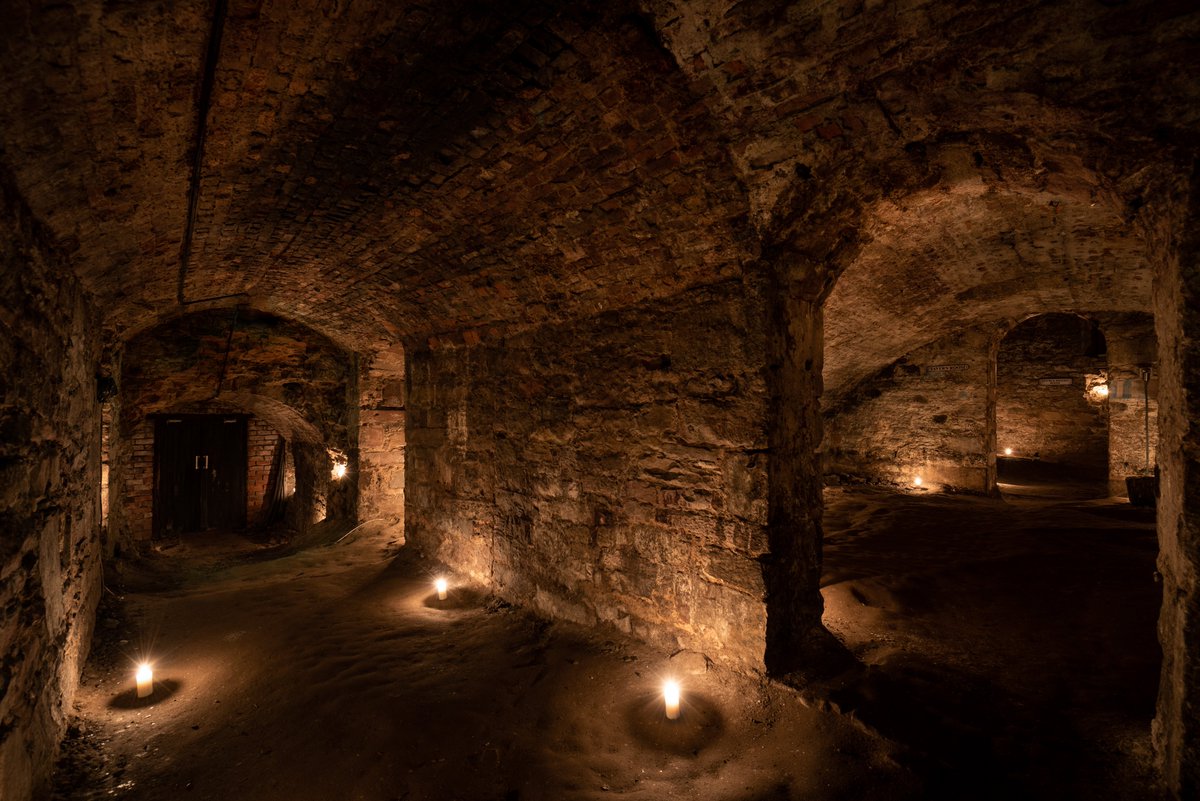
point(1044, 409)
point(1131, 346)
point(608, 471)
point(381, 441)
point(1173, 234)
point(262, 440)
point(926, 415)
point(49, 497)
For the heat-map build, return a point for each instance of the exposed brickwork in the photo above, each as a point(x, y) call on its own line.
point(1173, 232)
point(606, 472)
point(464, 177)
point(292, 380)
point(1039, 416)
point(1132, 346)
point(926, 415)
point(49, 496)
point(132, 484)
point(381, 439)
point(260, 455)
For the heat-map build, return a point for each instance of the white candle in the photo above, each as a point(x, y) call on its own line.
point(671, 696)
point(441, 588)
point(145, 680)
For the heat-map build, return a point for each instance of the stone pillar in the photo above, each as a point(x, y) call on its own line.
point(381, 441)
point(798, 644)
point(1132, 347)
point(1174, 241)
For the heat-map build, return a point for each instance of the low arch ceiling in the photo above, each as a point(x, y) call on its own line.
point(955, 257)
point(240, 360)
point(373, 170)
point(380, 171)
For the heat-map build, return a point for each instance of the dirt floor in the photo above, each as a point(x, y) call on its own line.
point(1008, 647)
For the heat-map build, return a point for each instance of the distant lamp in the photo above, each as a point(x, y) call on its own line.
point(918, 481)
point(339, 471)
point(1100, 390)
point(1008, 451)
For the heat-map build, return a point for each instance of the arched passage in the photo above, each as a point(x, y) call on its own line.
point(293, 391)
point(1051, 412)
point(919, 583)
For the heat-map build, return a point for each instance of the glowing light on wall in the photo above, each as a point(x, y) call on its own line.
point(1008, 451)
point(339, 471)
point(1100, 390)
point(671, 697)
point(918, 481)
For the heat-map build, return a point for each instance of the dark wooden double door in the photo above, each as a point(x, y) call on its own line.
point(199, 473)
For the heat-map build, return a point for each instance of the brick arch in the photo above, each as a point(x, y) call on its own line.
point(292, 379)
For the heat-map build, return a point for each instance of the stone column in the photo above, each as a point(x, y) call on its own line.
point(1174, 241)
point(381, 441)
point(798, 644)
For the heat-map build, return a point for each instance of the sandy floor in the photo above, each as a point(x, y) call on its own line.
point(1010, 644)
point(1009, 648)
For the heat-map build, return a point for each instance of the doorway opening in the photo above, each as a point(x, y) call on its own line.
point(1051, 416)
point(200, 470)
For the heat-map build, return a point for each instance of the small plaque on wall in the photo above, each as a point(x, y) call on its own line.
point(946, 368)
point(1055, 382)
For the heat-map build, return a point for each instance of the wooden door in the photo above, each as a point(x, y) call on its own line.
point(199, 473)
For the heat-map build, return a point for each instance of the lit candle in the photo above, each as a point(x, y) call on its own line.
point(145, 680)
point(671, 696)
point(339, 471)
point(1008, 451)
point(917, 481)
point(441, 588)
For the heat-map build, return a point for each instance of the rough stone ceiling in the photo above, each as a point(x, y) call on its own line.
point(942, 261)
point(381, 171)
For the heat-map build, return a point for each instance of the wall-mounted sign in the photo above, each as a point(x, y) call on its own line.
point(1056, 382)
point(945, 368)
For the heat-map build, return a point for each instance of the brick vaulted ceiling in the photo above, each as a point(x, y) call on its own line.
point(387, 170)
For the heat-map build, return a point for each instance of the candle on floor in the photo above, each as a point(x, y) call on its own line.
point(441, 588)
point(918, 481)
point(1008, 451)
point(671, 696)
point(145, 680)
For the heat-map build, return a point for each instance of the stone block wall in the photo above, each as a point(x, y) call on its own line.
point(1043, 407)
point(136, 496)
point(1173, 235)
point(926, 415)
point(610, 471)
point(50, 480)
point(381, 440)
point(262, 441)
point(1132, 346)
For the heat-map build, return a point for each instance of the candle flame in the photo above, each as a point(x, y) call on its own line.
point(1008, 451)
point(917, 481)
point(339, 470)
point(441, 586)
point(145, 673)
point(671, 692)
